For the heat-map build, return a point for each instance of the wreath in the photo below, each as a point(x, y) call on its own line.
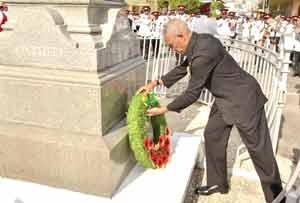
point(150, 152)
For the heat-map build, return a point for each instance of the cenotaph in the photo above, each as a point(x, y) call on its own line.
point(68, 69)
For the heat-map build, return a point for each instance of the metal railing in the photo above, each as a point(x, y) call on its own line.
point(269, 68)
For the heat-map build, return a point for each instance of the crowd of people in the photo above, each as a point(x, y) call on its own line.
point(259, 28)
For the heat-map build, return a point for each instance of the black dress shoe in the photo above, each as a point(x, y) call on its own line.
point(208, 190)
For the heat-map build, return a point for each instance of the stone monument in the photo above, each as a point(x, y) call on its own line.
point(67, 71)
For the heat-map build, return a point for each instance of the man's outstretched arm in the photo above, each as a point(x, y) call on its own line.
point(175, 74)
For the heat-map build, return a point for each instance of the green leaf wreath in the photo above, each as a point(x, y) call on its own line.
point(149, 152)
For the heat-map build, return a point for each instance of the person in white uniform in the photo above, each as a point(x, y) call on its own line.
point(289, 35)
point(257, 30)
point(232, 24)
point(246, 26)
point(171, 14)
point(203, 24)
point(158, 22)
point(145, 31)
point(181, 15)
point(223, 28)
point(296, 58)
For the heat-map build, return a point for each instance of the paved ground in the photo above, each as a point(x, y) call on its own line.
point(242, 189)
point(289, 142)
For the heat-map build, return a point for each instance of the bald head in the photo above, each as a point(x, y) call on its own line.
point(177, 35)
point(176, 27)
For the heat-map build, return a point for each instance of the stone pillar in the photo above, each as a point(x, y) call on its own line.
point(67, 71)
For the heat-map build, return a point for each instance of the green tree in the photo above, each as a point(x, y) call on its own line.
point(174, 3)
point(163, 3)
point(215, 6)
point(191, 5)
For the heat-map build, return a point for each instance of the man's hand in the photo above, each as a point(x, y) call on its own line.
point(149, 87)
point(157, 111)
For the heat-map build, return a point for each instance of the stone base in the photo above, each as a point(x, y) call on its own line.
point(89, 164)
point(141, 186)
point(56, 126)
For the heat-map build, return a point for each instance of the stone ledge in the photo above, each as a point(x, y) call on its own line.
point(136, 188)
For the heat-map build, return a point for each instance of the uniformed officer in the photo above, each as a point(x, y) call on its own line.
point(257, 29)
point(289, 34)
point(275, 34)
point(203, 24)
point(232, 24)
point(145, 31)
point(265, 40)
point(246, 29)
point(181, 15)
point(223, 27)
point(296, 58)
point(171, 14)
point(157, 24)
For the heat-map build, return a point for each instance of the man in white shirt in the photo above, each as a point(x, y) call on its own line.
point(223, 28)
point(203, 24)
point(246, 26)
point(296, 61)
point(181, 15)
point(145, 31)
point(158, 21)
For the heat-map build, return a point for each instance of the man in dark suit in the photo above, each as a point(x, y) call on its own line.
point(239, 101)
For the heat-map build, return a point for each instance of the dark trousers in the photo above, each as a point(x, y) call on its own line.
point(144, 47)
point(296, 63)
point(155, 47)
point(255, 136)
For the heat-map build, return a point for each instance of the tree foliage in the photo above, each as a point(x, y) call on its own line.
point(215, 6)
point(163, 3)
point(191, 5)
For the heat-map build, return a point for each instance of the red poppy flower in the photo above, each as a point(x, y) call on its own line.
point(167, 141)
point(161, 140)
point(167, 131)
point(160, 163)
point(148, 144)
point(159, 153)
point(168, 150)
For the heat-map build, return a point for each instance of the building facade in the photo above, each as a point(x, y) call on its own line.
point(285, 7)
point(136, 5)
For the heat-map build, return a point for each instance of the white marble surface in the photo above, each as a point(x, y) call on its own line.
point(163, 185)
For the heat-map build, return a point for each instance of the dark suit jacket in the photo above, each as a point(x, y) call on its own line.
point(237, 94)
